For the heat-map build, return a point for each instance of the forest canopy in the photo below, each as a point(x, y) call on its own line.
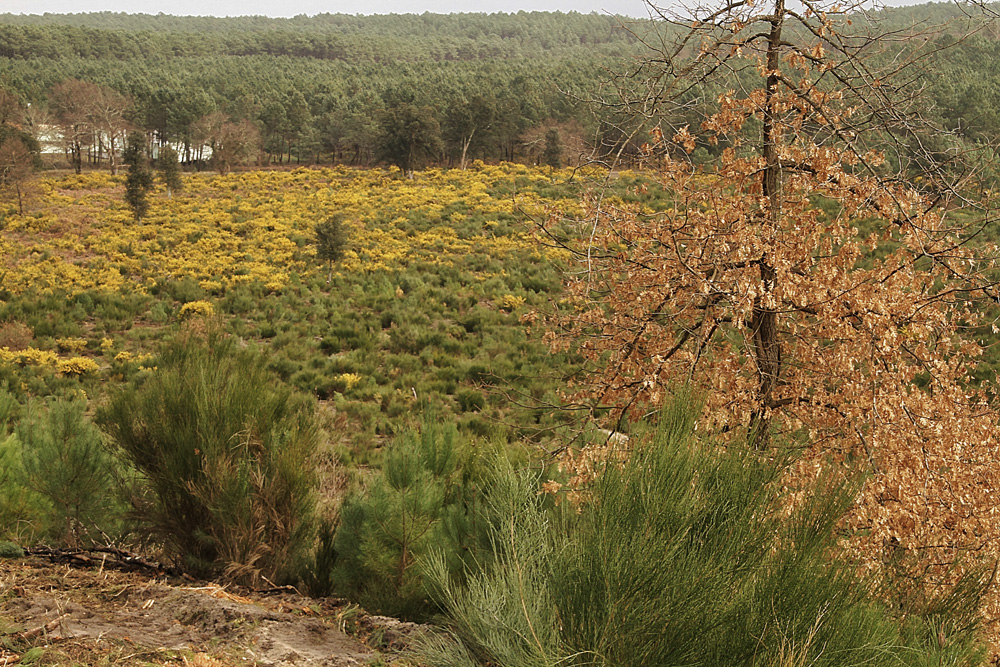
point(314, 87)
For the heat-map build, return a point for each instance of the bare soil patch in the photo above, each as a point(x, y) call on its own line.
point(65, 614)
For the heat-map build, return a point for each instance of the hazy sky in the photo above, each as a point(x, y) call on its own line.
point(286, 8)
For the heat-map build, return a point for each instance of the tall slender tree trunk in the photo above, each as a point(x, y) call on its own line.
point(76, 153)
point(111, 155)
point(466, 142)
point(764, 321)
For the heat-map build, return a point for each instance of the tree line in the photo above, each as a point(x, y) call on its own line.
point(336, 88)
point(301, 113)
point(326, 36)
point(320, 89)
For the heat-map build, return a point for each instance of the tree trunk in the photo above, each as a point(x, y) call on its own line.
point(111, 155)
point(76, 152)
point(764, 321)
point(466, 142)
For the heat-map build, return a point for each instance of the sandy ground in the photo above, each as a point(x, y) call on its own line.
point(66, 614)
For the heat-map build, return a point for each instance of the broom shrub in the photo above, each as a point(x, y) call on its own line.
point(682, 555)
point(224, 449)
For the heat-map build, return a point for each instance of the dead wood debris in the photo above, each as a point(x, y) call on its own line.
point(105, 558)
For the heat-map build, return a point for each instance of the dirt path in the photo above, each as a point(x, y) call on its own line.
point(58, 614)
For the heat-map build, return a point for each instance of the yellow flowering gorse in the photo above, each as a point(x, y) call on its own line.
point(257, 227)
point(197, 308)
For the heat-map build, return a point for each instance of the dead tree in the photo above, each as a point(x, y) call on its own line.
point(817, 279)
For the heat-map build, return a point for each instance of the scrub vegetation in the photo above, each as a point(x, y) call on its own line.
point(701, 374)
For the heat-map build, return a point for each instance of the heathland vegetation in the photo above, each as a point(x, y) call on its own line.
point(733, 404)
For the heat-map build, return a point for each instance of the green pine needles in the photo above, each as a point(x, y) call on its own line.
point(66, 464)
point(170, 170)
point(424, 499)
point(681, 556)
point(138, 178)
point(57, 478)
point(552, 153)
point(331, 242)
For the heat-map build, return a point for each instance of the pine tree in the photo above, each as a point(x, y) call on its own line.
point(331, 241)
point(552, 155)
point(420, 503)
point(408, 136)
point(170, 170)
point(66, 463)
point(139, 179)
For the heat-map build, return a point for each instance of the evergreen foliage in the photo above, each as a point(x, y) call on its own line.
point(396, 37)
point(224, 451)
point(66, 464)
point(170, 169)
point(408, 136)
point(683, 555)
point(57, 479)
point(552, 153)
point(139, 178)
point(331, 241)
point(297, 79)
point(423, 499)
point(10, 550)
point(19, 506)
point(17, 514)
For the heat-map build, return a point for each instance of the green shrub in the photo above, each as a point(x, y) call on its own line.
point(331, 241)
point(681, 556)
point(56, 484)
point(470, 400)
point(422, 499)
point(239, 301)
point(118, 311)
point(184, 289)
point(160, 313)
point(65, 462)
point(10, 550)
point(224, 451)
point(21, 510)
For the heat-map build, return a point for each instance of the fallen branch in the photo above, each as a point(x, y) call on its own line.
point(42, 629)
point(104, 557)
